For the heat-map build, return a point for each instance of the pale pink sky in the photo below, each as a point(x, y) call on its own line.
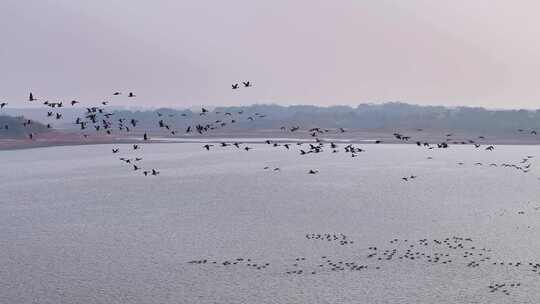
point(182, 53)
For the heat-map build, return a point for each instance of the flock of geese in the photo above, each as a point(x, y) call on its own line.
point(102, 121)
point(452, 252)
point(448, 251)
point(320, 145)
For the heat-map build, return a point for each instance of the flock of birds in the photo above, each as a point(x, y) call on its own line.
point(320, 145)
point(524, 165)
point(452, 251)
point(339, 237)
point(103, 121)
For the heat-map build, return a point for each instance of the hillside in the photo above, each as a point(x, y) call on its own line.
point(12, 127)
point(365, 117)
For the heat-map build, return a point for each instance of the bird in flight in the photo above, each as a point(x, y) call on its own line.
point(234, 86)
point(131, 94)
point(246, 84)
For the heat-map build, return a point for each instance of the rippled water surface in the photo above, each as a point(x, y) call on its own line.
point(78, 226)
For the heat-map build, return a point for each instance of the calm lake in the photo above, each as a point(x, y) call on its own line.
point(77, 225)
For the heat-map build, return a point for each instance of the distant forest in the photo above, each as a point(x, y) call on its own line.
point(365, 117)
point(13, 127)
point(383, 117)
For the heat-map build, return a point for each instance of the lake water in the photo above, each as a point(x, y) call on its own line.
point(78, 226)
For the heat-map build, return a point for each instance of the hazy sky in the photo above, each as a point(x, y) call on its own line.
point(182, 53)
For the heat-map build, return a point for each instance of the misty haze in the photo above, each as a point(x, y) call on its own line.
point(269, 152)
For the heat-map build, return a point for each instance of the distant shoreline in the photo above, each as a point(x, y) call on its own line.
point(24, 144)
